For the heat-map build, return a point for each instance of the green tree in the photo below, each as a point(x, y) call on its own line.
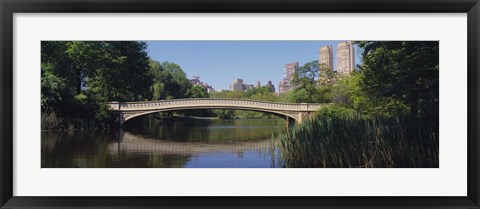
point(326, 76)
point(197, 91)
point(86, 58)
point(54, 92)
point(308, 88)
point(169, 81)
point(287, 97)
point(181, 84)
point(80, 77)
point(54, 62)
point(124, 75)
point(349, 93)
point(405, 72)
point(228, 94)
point(263, 93)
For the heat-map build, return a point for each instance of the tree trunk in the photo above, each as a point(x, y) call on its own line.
point(78, 81)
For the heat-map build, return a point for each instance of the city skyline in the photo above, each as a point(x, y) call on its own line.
point(219, 63)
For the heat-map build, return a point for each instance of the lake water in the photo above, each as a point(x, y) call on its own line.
point(176, 143)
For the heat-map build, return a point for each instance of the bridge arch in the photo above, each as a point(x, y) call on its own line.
point(294, 111)
point(289, 117)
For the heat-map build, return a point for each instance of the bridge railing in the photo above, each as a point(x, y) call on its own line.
point(213, 102)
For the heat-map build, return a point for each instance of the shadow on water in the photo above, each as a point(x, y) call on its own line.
point(240, 143)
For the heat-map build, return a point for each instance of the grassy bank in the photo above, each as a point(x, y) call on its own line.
point(358, 141)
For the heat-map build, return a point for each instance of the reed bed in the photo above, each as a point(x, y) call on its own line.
point(358, 142)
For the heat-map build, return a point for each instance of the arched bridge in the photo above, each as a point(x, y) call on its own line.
point(295, 111)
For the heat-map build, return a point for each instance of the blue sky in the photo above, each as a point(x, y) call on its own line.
point(218, 63)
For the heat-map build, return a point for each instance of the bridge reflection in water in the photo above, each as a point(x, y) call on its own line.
point(197, 143)
point(131, 143)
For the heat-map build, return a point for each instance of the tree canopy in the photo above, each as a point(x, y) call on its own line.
point(405, 72)
point(80, 77)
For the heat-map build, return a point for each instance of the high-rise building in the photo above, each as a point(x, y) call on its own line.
point(258, 84)
point(283, 86)
point(237, 85)
point(196, 82)
point(325, 57)
point(270, 84)
point(289, 70)
point(210, 89)
point(288, 74)
point(345, 57)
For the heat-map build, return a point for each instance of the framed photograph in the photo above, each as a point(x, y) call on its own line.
point(236, 104)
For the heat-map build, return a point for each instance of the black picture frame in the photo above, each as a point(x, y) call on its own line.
point(9, 7)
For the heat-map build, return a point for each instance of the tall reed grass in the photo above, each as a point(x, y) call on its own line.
point(356, 141)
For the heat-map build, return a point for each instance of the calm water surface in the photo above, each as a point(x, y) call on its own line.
point(193, 143)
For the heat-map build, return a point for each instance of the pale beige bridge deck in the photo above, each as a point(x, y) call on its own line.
point(295, 111)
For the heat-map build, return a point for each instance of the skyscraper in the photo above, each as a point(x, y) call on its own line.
point(345, 57)
point(288, 74)
point(289, 70)
point(237, 85)
point(283, 86)
point(270, 84)
point(196, 82)
point(325, 56)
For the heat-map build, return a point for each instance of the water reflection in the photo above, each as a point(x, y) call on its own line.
point(184, 143)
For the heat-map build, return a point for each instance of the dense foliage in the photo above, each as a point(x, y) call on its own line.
point(80, 77)
point(405, 73)
point(386, 112)
point(169, 81)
